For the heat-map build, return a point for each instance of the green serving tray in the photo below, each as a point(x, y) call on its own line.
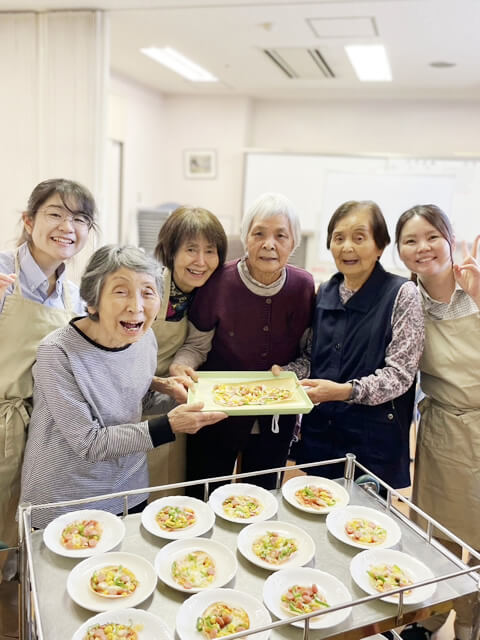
point(202, 391)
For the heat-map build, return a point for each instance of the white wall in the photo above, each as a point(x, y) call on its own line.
point(425, 128)
point(53, 69)
point(156, 130)
point(166, 126)
point(208, 123)
point(138, 119)
point(17, 118)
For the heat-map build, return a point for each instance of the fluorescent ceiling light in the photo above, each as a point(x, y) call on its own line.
point(370, 62)
point(180, 64)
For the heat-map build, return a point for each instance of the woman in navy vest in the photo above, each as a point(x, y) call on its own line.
point(366, 343)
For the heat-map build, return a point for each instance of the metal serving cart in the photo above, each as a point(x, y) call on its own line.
point(48, 613)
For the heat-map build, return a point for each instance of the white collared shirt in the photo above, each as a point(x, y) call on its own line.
point(34, 283)
point(460, 305)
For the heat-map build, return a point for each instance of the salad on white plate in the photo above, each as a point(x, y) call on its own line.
point(123, 624)
point(314, 494)
point(363, 527)
point(195, 564)
point(177, 517)
point(293, 592)
point(381, 570)
point(243, 503)
point(84, 533)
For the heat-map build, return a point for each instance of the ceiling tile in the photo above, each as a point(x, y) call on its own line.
point(345, 27)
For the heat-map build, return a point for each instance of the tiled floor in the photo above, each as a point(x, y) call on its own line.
point(8, 610)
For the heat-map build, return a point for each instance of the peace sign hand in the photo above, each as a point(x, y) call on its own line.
point(467, 274)
point(5, 281)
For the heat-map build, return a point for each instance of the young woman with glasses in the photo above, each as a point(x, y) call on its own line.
point(35, 299)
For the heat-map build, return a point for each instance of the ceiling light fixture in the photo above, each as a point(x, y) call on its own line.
point(370, 62)
point(179, 63)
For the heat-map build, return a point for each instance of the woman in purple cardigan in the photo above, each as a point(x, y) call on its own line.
point(254, 313)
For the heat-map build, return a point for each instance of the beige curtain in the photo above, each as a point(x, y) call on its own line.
point(54, 68)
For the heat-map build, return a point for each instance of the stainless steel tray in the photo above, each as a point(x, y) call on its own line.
point(57, 616)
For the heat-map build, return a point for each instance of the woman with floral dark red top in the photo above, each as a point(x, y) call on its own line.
point(255, 311)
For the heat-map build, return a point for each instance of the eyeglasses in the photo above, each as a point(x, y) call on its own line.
point(58, 214)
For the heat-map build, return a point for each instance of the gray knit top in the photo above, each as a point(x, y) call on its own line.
point(86, 437)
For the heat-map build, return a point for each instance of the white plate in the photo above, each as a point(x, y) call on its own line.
point(153, 627)
point(416, 570)
point(194, 607)
point(113, 532)
point(268, 501)
point(334, 591)
point(337, 519)
point(203, 512)
point(298, 482)
point(225, 562)
point(306, 546)
point(78, 581)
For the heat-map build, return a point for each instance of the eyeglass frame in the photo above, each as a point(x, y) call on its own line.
point(65, 214)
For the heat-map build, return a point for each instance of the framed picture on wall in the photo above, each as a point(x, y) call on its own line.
point(200, 163)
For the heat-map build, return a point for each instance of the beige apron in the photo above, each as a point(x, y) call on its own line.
point(166, 464)
point(23, 324)
point(447, 462)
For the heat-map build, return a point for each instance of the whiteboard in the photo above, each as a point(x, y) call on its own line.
point(318, 184)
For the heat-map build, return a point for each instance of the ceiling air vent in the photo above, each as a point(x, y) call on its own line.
point(297, 62)
point(321, 63)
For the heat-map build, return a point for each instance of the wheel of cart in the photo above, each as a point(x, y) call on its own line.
point(369, 483)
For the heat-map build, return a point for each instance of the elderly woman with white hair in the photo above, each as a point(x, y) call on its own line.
point(92, 383)
point(255, 312)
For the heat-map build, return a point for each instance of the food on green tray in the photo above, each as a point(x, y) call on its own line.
point(274, 548)
point(365, 531)
point(173, 518)
point(113, 581)
point(315, 497)
point(385, 577)
point(81, 534)
point(302, 599)
point(221, 619)
point(237, 506)
point(195, 570)
point(237, 395)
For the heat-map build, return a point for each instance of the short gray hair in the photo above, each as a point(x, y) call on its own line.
point(109, 259)
point(266, 206)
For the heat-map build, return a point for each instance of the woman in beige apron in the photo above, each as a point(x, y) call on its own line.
point(447, 463)
point(191, 244)
point(56, 223)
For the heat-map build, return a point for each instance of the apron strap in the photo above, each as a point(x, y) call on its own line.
point(66, 296)
point(275, 426)
point(166, 294)
point(17, 288)
point(9, 407)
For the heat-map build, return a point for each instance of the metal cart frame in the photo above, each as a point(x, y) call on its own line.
point(32, 628)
